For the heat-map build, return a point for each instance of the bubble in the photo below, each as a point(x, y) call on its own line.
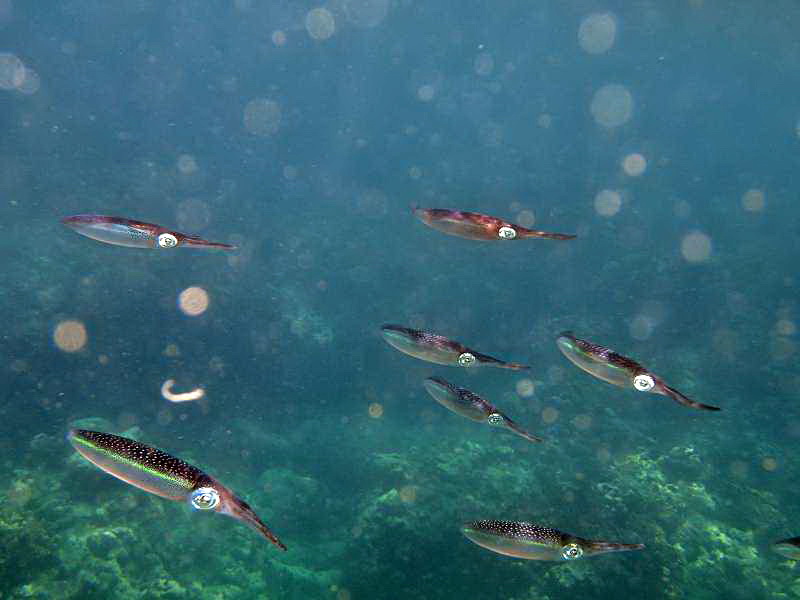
point(607, 203)
point(550, 415)
point(634, 164)
point(641, 327)
point(769, 464)
point(525, 388)
point(320, 23)
point(582, 422)
point(193, 214)
point(12, 71)
point(262, 117)
point(597, 33)
point(526, 218)
point(408, 494)
point(544, 121)
point(193, 301)
point(278, 38)
point(186, 164)
point(31, 83)
point(612, 105)
point(171, 351)
point(103, 359)
point(426, 92)
point(70, 336)
point(696, 247)
point(415, 172)
point(289, 172)
point(753, 200)
point(484, 64)
point(375, 410)
point(785, 327)
point(366, 13)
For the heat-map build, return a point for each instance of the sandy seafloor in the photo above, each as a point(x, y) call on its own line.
point(663, 134)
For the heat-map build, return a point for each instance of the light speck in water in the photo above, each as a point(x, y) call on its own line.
point(634, 164)
point(320, 23)
point(612, 105)
point(607, 203)
point(597, 33)
point(696, 247)
point(753, 200)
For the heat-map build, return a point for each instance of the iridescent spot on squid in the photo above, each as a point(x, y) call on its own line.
point(476, 226)
point(619, 370)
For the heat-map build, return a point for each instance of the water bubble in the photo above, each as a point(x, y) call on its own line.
point(31, 83)
point(415, 172)
point(186, 164)
point(193, 301)
point(426, 92)
point(769, 464)
point(484, 64)
point(544, 121)
point(607, 203)
point(278, 38)
point(682, 209)
point(582, 422)
point(641, 327)
point(320, 23)
point(366, 13)
point(70, 335)
point(612, 105)
point(525, 388)
point(696, 247)
point(753, 200)
point(634, 164)
point(193, 215)
point(12, 71)
point(526, 218)
point(375, 410)
point(597, 33)
point(408, 494)
point(785, 327)
point(603, 454)
point(262, 116)
point(550, 415)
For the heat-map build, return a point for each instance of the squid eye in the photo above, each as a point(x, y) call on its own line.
point(571, 552)
point(167, 240)
point(643, 382)
point(507, 233)
point(466, 359)
point(204, 498)
point(495, 419)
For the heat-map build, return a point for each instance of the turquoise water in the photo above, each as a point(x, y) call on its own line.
point(665, 135)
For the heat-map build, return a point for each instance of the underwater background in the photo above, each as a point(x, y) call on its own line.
point(664, 134)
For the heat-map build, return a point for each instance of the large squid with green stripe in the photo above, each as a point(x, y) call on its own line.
point(157, 472)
